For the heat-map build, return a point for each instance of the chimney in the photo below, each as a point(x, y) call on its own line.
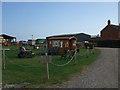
point(109, 22)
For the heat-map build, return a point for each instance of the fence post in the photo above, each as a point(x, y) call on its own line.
point(47, 68)
point(3, 55)
point(93, 49)
point(75, 57)
point(88, 50)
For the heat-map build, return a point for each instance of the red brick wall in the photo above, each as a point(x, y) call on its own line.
point(119, 34)
point(110, 33)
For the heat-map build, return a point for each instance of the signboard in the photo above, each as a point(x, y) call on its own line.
point(45, 59)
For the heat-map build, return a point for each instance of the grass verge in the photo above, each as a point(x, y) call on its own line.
point(33, 72)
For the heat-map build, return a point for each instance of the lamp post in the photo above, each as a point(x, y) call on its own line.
point(32, 37)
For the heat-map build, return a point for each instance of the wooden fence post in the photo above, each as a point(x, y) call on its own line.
point(47, 68)
point(3, 55)
point(75, 57)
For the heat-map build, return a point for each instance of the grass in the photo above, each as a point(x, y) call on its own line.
point(32, 71)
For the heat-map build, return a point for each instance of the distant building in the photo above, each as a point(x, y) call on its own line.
point(40, 42)
point(31, 42)
point(23, 42)
point(8, 38)
point(1, 39)
point(81, 37)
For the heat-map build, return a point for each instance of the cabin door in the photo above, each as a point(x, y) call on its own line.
point(72, 44)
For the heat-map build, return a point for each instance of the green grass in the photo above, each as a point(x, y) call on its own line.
point(32, 71)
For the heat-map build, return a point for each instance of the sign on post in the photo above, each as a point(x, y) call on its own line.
point(46, 59)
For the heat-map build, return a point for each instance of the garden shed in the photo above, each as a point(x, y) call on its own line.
point(57, 45)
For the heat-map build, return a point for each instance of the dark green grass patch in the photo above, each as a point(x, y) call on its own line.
point(32, 71)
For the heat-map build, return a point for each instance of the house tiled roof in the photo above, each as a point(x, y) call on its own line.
point(116, 27)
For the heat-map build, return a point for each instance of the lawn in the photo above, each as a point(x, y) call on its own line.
point(33, 72)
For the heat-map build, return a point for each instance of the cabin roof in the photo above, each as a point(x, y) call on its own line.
point(116, 27)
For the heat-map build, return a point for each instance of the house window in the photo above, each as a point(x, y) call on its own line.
point(55, 43)
point(50, 42)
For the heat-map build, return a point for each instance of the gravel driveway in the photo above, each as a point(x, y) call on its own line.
point(103, 73)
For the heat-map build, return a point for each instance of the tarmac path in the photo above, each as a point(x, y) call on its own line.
point(103, 73)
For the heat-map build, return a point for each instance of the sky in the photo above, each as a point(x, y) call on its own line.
point(42, 19)
point(119, 12)
point(0, 17)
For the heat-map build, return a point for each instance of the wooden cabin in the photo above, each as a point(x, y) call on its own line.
point(57, 45)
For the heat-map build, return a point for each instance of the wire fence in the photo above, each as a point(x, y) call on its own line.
point(65, 63)
point(88, 52)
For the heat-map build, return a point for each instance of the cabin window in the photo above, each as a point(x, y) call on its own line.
point(55, 43)
point(61, 44)
point(66, 44)
point(50, 42)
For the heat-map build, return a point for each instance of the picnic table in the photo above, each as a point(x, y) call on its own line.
point(26, 53)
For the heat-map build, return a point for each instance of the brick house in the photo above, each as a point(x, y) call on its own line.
point(111, 32)
point(110, 36)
